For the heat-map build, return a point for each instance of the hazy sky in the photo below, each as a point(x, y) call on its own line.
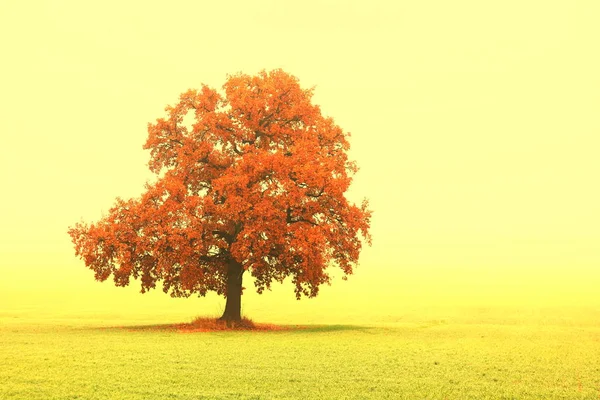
point(476, 124)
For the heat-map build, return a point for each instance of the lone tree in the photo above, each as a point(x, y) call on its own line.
point(254, 183)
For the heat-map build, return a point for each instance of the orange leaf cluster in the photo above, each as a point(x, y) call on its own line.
point(258, 177)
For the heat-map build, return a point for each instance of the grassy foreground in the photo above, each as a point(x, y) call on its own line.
point(436, 359)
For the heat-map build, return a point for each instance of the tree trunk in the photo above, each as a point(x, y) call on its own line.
point(233, 305)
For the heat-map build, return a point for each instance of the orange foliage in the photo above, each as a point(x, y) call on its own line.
point(259, 177)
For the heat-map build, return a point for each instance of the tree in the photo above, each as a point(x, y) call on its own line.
point(254, 184)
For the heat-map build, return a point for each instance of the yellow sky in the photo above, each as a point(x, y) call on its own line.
point(475, 123)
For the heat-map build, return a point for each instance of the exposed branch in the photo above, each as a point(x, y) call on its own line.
point(261, 134)
point(316, 195)
point(236, 150)
point(265, 119)
point(291, 219)
point(225, 128)
point(228, 237)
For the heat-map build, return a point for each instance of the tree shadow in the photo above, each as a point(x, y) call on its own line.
point(328, 328)
point(135, 328)
point(263, 328)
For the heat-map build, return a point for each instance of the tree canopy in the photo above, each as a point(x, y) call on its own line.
point(250, 179)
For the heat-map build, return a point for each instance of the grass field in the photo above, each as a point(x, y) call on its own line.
point(431, 334)
point(467, 353)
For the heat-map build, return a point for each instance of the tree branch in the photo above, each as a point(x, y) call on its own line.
point(316, 195)
point(228, 237)
point(290, 219)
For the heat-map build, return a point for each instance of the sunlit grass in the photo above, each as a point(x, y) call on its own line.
point(476, 356)
point(403, 339)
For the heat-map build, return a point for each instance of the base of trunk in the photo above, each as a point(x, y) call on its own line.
point(230, 322)
point(231, 319)
point(233, 306)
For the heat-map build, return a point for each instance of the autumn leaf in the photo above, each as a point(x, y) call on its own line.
point(256, 185)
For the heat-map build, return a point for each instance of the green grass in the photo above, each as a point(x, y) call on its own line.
point(473, 355)
point(80, 340)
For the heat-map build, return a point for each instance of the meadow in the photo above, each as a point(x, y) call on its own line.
point(474, 124)
point(129, 351)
